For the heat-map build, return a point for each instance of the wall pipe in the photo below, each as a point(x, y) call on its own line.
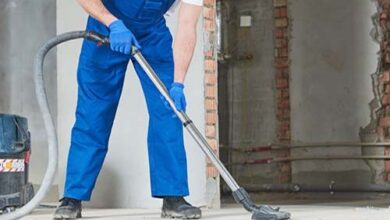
point(272, 147)
point(290, 159)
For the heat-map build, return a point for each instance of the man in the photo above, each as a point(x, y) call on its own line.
point(101, 73)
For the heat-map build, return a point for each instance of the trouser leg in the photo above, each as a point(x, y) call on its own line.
point(100, 78)
point(167, 156)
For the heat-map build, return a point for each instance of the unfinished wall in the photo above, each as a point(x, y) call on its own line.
point(380, 125)
point(126, 172)
point(24, 27)
point(247, 97)
point(211, 98)
point(282, 80)
point(333, 57)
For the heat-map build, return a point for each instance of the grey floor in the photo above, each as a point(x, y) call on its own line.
point(303, 206)
point(300, 212)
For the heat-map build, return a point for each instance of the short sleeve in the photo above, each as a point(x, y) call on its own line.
point(175, 5)
point(193, 2)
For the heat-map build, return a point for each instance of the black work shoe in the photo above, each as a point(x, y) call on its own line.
point(177, 207)
point(68, 209)
point(266, 212)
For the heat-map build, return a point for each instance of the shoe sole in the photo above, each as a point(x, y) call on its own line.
point(62, 217)
point(270, 218)
point(175, 215)
point(267, 217)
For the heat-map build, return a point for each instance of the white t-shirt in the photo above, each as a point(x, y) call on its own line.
point(174, 6)
point(193, 2)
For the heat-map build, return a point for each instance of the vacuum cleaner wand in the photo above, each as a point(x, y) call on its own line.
point(262, 212)
point(239, 194)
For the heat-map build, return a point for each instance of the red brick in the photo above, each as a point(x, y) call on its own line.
point(280, 3)
point(279, 94)
point(210, 104)
point(209, 53)
point(209, 65)
point(285, 103)
point(209, 25)
point(385, 77)
point(213, 144)
point(212, 172)
point(279, 74)
point(208, 13)
point(209, 3)
point(283, 12)
point(281, 63)
point(386, 100)
point(210, 91)
point(280, 42)
point(211, 118)
point(282, 52)
point(277, 12)
point(383, 16)
point(281, 22)
point(285, 93)
point(281, 83)
point(280, 33)
point(284, 135)
point(286, 113)
point(283, 114)
point(210, 79)
point(284, 125)
point(279, 115)
point(384, 122)
point(211, 131)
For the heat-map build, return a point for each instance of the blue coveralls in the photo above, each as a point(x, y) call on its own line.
point(101, 73)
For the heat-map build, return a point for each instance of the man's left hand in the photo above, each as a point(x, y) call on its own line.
point(177, 94)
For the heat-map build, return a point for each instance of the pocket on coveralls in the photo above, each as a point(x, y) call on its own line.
point(152, 9)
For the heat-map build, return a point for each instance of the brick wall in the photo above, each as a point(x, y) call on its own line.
point(282, 62)
point(282, 71)
point(384, 77)
point(210, 80)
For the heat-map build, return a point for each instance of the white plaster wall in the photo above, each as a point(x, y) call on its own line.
point(124, 180)
point(333, 57)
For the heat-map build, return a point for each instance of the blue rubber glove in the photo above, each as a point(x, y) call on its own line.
point(177, 94)
point(121, 38)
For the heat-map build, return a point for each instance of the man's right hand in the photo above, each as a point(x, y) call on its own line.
point(121, 38)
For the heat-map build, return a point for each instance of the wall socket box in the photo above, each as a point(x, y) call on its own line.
point(245, 21)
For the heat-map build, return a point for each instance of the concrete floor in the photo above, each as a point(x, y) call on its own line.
point(300, 212)
point(303, 206)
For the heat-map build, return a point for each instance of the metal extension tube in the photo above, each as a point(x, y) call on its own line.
point(188, 124)
point(239, 194)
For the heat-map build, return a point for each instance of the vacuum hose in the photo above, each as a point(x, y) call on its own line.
point(48, 119)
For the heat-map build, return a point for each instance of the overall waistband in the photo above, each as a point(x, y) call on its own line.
point(139, 12)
